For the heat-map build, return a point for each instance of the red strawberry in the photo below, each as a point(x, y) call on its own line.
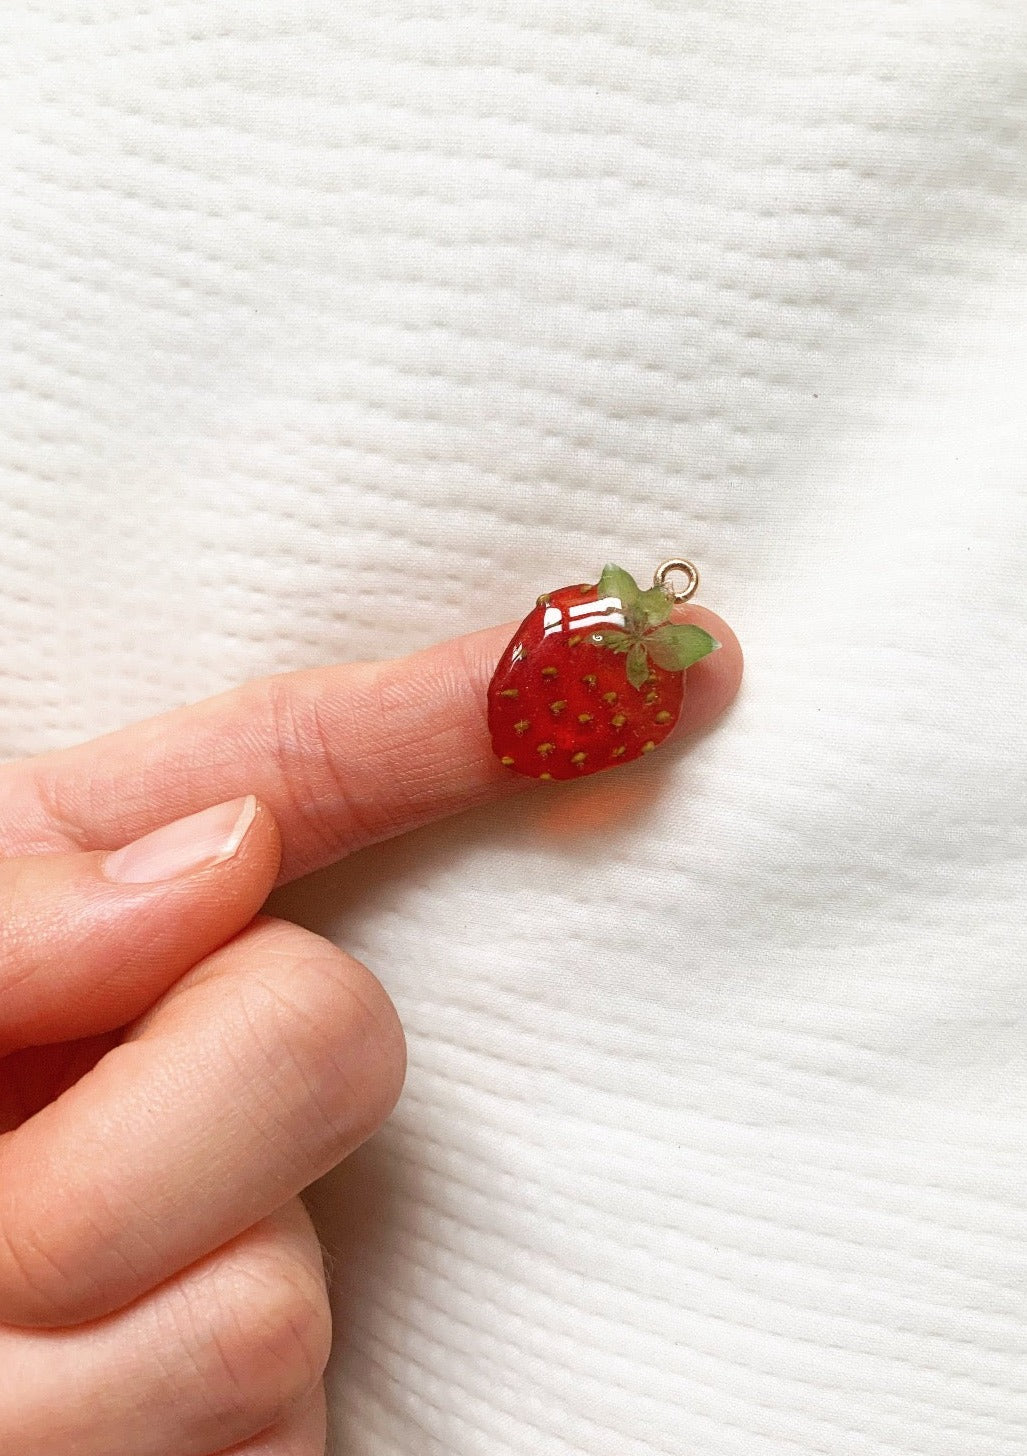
point(593, 677)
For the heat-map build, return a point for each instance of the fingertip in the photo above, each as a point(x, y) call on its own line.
point(91, 940)
point(713, 681)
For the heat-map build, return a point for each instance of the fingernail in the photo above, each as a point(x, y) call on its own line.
point(186, 845)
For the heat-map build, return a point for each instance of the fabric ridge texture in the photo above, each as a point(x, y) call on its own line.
point(330, 330)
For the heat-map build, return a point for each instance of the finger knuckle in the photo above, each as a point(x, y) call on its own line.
point(268, 1344)
point(310, 760)
point(330, 1012)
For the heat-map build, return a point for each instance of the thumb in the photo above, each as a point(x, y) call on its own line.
point(89, 941)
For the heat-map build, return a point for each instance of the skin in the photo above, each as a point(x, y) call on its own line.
point(176, 1067)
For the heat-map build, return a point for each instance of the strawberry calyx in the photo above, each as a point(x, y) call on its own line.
point(647, 635)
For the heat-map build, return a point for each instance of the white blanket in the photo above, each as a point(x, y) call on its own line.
point(330, 329)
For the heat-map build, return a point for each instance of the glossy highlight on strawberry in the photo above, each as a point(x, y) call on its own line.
point(593, 677)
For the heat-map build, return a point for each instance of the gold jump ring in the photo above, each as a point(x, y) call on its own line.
point(691, 585)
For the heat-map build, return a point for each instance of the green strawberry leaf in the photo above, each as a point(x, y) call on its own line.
point(637, 665)
point(615, 638)
point(677, 647)
point(655, 605)
point(616, 582)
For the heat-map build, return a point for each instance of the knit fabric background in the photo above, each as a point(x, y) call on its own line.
point(330, 329)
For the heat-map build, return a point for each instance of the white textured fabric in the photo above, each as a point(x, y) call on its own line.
point(330, 329)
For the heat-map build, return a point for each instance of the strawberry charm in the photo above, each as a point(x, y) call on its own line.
point(594, 675)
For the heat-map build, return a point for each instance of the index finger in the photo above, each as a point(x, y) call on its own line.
point(343, 755)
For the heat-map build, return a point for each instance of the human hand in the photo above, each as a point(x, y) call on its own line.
point(175, 1067)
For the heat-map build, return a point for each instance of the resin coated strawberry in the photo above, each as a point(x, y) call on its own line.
point(594, 676)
